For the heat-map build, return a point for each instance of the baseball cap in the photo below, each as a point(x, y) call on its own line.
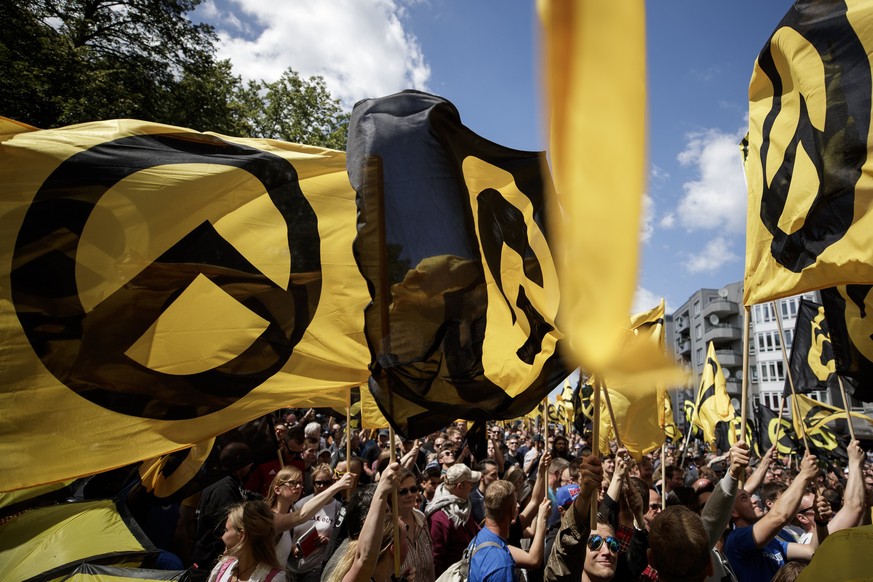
point(459, 473)
point(384, 432)
point(433, 468)
point(567, 495)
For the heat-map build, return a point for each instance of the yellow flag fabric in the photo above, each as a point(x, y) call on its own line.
point(92, 531)
point(637, 392)
point(808, 169)
point(842, 557)
point(812, 415)
point(159, 286)
point(95, 573)
point(713, 404)
point(596, 100)
point(668, 423)
point(371, 416)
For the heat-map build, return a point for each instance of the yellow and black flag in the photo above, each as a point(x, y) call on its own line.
point(159, 286)
point(713, 404)
point(671, 429)
point(451, 242)
point(811, 364)
point(807, 162)
point(769, 425)
point(849, 311)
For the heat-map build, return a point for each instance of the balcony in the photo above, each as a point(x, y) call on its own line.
point(721, 307)
point(681, 325)
point(729, 358)
point(734, 387)
point(683, 348)
point(722, 333)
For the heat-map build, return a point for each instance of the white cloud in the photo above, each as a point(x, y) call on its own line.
point(716, 253)
point(717, 200)
point(360, 47)
point(668, 221)
point(648, 219)
point(645, 300)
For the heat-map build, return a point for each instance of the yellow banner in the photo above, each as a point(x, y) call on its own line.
point(160, 286)
point(596, 101)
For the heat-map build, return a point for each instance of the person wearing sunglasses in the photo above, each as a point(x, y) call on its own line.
point(601, 556)
point(569, 554)
point(284, 492)
point(305, 564)
point(420, 553)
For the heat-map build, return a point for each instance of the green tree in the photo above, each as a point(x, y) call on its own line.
point(71, 61)
point(302, 111)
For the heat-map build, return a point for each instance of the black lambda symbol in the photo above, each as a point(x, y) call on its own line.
point(85, 351)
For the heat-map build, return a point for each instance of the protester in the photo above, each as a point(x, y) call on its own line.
point(450, 516)
point(305, 567)
point(488, 470)
point(368, 554)
point(236, 461)
point(678, 546)
point(752, 548)
point(492, 560)
point(420, 554)
point(250, 552)
point(567, 560)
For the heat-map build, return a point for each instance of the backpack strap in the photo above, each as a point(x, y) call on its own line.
point(272, 574)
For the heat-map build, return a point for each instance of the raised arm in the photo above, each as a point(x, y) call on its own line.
point(785, 508)
point(370, 538)
point(819, 533)
point(853, 498)
point(537, 494)
point(716, 513)
point(533, 558)
point(757, 477)
point(286, 521)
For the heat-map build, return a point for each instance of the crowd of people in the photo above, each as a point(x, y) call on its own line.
point(284, 503)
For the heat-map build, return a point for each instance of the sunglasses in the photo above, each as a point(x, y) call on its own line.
point(655, 506)
point(406, 490)
point(324, 483)
point(595, 542)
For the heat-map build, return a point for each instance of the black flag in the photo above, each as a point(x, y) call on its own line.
point(849, 312)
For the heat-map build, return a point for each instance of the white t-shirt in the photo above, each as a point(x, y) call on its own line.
point(324, 522)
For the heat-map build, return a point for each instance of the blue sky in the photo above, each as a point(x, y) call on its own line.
point(483, 56)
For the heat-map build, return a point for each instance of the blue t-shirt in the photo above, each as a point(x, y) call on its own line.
point(751, 563)
point(491, 564)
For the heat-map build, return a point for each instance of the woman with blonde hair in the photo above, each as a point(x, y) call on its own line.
point(417, 532)
point(250, 550)
point(284, 492)
point(368, 554)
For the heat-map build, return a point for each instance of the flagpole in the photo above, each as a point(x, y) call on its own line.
point(779, 424)
point(595, 440)
point(612, 417)
point(790, 378)
point(744, 384)
point(349, 441)
point(846, 406)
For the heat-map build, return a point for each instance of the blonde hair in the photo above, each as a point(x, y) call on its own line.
point(348, 558)
point(255, 519)
point(286, 475)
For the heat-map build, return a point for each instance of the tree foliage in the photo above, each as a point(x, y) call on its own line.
point(71, 61)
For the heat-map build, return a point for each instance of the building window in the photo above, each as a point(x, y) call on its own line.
point(698, 331)
point(768, 341)
point(789, 334)
point(699, 355)
point(754, 371)
point(697, 308)
point(789, 308)
point(770, 399)
point(772, 372)
point(763, 313)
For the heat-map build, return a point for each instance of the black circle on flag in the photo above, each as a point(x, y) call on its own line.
point(85, 348)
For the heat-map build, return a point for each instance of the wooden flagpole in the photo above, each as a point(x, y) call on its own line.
point(595, 441)
point(779, 424)
point(847, 407)
point(612, 416)
point(786, 363)
point(349, 440)
point(744, 383)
